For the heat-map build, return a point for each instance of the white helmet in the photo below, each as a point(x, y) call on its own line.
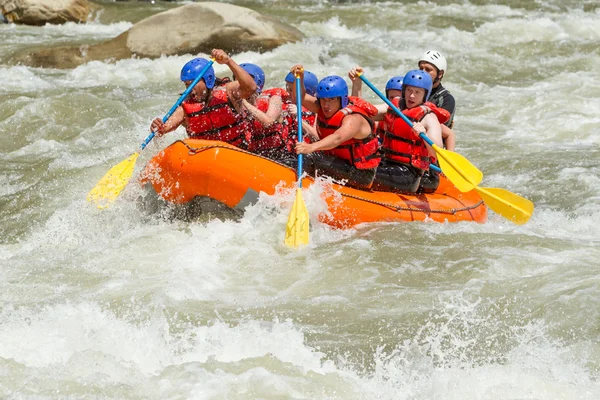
point(436, 58)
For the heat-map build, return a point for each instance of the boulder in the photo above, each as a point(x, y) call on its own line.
point(41, 12)
point(199, 27)
point(189, 29)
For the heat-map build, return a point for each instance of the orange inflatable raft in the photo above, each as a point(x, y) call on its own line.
point(190, 168)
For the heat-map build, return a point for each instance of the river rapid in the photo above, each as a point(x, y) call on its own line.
point(122, 303)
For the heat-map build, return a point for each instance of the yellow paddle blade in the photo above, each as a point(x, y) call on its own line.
point(296, 230)
point(510, 205)
point(108, 188)
point(464, 175)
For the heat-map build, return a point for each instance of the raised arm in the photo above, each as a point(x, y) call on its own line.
point(309, 102)
point(356, 81)
point(273, 112)
point(244, 86)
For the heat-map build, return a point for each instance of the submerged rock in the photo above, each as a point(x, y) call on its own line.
point(41, 12)
point(190, 29)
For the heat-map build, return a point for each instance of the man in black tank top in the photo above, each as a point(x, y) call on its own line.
point(441, 97)
point(434, 63)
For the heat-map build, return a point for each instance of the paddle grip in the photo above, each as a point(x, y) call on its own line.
point(183, 96)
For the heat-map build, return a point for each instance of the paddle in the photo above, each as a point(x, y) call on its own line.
point(110, 186)
point(465, 176)
point(509, 205)
point(297, 227)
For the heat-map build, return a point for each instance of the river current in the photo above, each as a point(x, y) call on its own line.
point(122, 303)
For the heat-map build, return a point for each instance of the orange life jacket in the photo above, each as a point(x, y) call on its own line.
point(400, 143)
point(217, 120)
point(270, 137)
point(361, 153)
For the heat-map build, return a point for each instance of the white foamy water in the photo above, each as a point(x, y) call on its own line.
point(130, 302)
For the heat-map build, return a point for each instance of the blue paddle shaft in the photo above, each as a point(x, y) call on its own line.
point(393, 107)
point(181, 99)
point(299, 115)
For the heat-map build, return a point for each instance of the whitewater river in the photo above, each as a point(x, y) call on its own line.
point(123, 303)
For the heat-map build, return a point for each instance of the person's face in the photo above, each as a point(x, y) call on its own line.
point(199, 91)
point(393, 93)
point(290, 87)
point(429, 68)
point(413, 96)
point(330, 106)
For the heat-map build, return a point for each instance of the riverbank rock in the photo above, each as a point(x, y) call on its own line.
point(41, 12)
point(189, 29)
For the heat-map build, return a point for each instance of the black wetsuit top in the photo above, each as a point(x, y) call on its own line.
point(441, 97)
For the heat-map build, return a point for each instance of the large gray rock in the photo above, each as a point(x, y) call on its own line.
point(41, 12)
point(190, 29)
point(202, 26)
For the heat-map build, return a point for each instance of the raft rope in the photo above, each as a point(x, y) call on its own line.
point(452, 211)
point(423, 210)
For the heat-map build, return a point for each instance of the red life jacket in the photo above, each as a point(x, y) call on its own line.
point(400, 143)
point(361, 153)
point(285, 96)
point(289, 120)
point(263, 138)
point(217, 120)
point(307, 116)
point(292, 123)
point(442, 115)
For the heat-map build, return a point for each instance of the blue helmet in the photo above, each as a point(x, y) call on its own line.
point(310, 82)
point(333, 86)
point(395, 83)
point(192, 69)
point(256, 73)
point(420, 79)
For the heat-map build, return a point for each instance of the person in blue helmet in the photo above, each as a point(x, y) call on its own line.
point(263, 107)
point(212, 112)
point(268, 133)
point(347, 149)
point(256, 73)
point(287, 96)
point(406, 157)
point(310, 84)
point(393, 89)
point(308, 118)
